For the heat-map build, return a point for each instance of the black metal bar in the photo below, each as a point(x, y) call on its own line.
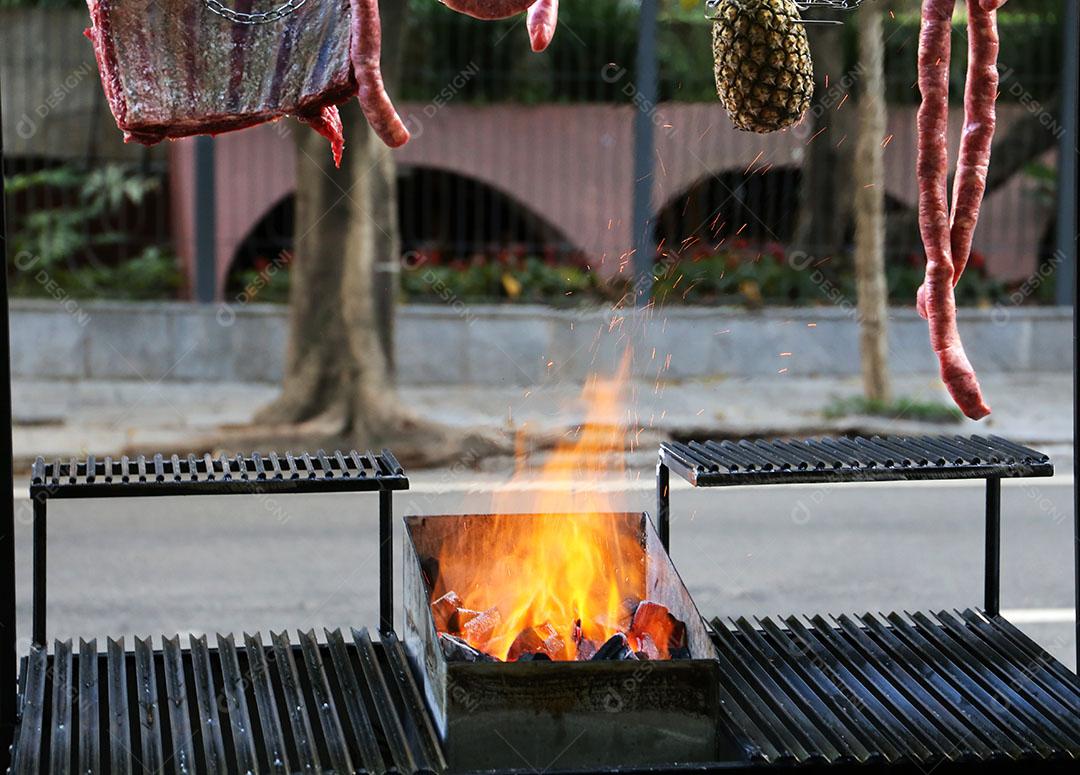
point(62, 693)
point(205, 207)
point(234, 684)
point(9, 679)
point(992, 589)
point(306, 751)
point(40, 551)
point(333, 735)
point(89, 701)
point(663, 505)
point(360, 725)
point(269, 718)
point(646, 89)
point(176, 693)
point(119, 725)
point(386, 562)
point(206, 697)
point(28, 756)
point(153, 756)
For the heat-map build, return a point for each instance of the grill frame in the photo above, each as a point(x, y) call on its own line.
point(255, 474)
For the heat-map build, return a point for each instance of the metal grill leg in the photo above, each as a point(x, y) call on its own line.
point(663, 505)
point(386, 562)
point(40, 538)
point(992, 592)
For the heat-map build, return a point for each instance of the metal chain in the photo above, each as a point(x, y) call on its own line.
point(266, 17)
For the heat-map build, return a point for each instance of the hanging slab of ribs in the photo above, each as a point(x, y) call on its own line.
point(174, 69)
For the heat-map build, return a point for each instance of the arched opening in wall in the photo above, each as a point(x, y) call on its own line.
point(449, 217)
point(733, 206)
point(259, 269)
point(443, 217)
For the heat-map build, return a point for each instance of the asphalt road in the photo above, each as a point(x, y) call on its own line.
point(208, 564)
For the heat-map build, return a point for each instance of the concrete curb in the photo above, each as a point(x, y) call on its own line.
point(461, 344)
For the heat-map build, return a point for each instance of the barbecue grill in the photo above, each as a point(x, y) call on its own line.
point(916, 691)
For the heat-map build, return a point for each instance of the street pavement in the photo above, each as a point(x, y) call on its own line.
point(207, 564)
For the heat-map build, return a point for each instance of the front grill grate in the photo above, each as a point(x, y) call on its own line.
point(345, 704)
point(927, 689)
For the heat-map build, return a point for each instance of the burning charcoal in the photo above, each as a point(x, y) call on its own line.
point(647, 649)
point(657, 622)
point(585, 648)
point(532, 640)
point(462, 616)
point(479, 629)
point(617, 648)
point(539, 656)
point(457, 650)
point(443, 608)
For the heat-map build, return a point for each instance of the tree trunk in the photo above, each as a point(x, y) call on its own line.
point(870, 209)
point(338, 388)
point(824, 196)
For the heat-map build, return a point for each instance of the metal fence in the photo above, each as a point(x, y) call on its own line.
point(521, 155)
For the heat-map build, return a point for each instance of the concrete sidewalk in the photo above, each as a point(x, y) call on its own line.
point(64, 419)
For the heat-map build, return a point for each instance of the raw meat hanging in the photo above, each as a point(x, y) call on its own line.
point(174, 69)
point(947, 237)
point(543, 15)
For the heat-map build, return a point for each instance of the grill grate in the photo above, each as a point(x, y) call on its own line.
point(927, 689)
point(720, 463)
point(347, 704)
point(190, 475)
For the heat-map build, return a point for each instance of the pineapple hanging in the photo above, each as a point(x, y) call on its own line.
point(764, 74)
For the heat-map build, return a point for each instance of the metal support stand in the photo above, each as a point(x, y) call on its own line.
point(663, 505)
point(386, 563)
point(992, 588)
point(40, 555)
point(9, 677)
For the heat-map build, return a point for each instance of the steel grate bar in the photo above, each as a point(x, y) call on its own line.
point(153, 756)
point(176, 695)
point(393, 733)
point(206, 698)
point(88, 703)
point(236, 704)
point(420, 728)
point(295, 703)
point(119, 723)
point(363, 733)
point(62, 691)
point(325, 707)
point(266, 705)
point(27, 760)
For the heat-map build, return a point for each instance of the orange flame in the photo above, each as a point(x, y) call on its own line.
point(566, 564)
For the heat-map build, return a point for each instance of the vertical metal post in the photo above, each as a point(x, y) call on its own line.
point(386, 562)
point(1067, 167)
point(645, 95)
point(992, 589)
point(1067, 287)
point(663, 505)
point(8, 655)
point(40, 552)
point(205, 221)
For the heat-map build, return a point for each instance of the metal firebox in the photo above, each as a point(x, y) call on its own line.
point(558, 715)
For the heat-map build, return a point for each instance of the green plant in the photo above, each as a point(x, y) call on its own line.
point(904, 408)
point(76, 248)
